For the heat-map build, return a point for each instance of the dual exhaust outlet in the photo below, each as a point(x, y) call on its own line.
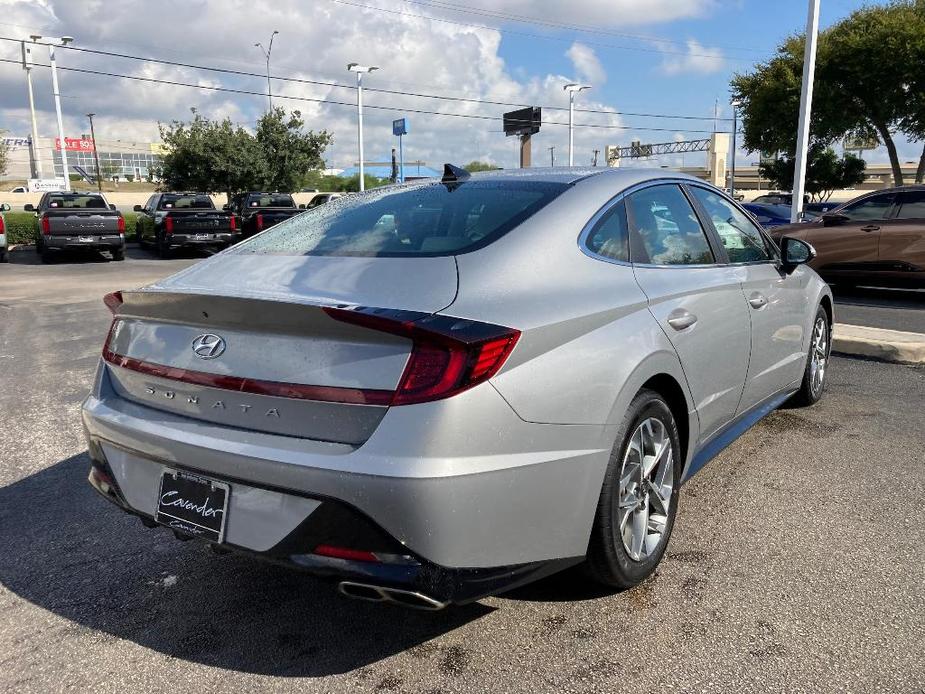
point(405, 598)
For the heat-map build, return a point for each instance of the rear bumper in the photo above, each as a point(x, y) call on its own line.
point(106, 243)
point(461, 485)
point(176, 240)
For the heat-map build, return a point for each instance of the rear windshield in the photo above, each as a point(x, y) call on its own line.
point(270, 200)
point(93, 202)
point(419, 220)
point(186, 202)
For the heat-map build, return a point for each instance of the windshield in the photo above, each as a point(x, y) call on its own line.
point(76, 202)
point(418, 220)
point(186, 202)
point(270, 200)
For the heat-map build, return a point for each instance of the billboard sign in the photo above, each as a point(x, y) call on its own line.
point(860, 142)
point(400, 127)
point(14, 143)
point(524, 121)
point(45, 185)
point(75, 144)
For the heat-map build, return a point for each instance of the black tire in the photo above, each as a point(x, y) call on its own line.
point(811, 388)
point(45, 255)
point(163, 249)
point(609, 561)
point(4, 256)
point(118, 254)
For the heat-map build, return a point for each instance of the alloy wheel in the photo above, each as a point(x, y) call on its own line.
point(819, 355)
point(646, 484)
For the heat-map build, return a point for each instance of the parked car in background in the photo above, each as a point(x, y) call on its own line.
point(322, 198)
point(441, 390)
point(877, 238)
point(258, 211)
point(810, 209)
point(4, 244)
point(168, 221)
point(72, 221)
point(19, 189)
point(768, 216)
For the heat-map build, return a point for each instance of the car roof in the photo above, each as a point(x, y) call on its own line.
point(622, 177)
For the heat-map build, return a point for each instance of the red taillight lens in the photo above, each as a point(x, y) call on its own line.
point(46, 226)
point(448, 355)
point(234, 224)
point(2, 225)
point(168, 225)
point(121, 225)
point(113, 301)
point(259, 222)
point(344, 553)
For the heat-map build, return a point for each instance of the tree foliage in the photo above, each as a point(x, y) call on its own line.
point(4, 154)
point(474, 166)
point(218, 156)
point(868, 81)
point(825, 172)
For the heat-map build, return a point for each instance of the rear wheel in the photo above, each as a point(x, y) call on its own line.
point(817, 362)
point(45, 254)
point(163, 248)
point(118, 254)
point(4, 255)
point(639, 498)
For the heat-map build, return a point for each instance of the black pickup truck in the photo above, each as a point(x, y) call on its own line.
point(77, 221)
point(177, 220)
point(258, 211)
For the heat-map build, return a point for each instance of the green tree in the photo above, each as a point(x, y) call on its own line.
point(825, 172)
point(474, 166)
point(288, 152)
point(868, 81)
point(4, 154)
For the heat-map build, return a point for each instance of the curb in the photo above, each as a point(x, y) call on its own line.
point(878, 343)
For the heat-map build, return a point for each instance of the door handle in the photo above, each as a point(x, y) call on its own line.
point(757, 300)
point(870, 227)
point(680, 319)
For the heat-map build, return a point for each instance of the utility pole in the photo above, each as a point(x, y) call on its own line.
point(806, 106)
point(552, 155)
point(34, 148)
point(360, 70)
point(594, 161)
point(735, 127)
point(51, 43)
point(572, 89)
point(267, 52)
point(96, 154)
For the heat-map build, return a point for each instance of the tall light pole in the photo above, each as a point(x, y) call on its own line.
point(96, 154)
point(735, 127)
point(267, 52)
point(806, 107)
point(572, 90)
point(27, 66)
point(51, 42)
point(359, 70)
point(552, 156)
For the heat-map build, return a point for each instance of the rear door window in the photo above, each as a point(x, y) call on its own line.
point(912, 205)
point(667, 227)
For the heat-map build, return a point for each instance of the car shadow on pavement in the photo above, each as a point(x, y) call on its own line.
point(68, 551)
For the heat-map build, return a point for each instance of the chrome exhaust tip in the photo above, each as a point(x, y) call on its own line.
point(405, 598)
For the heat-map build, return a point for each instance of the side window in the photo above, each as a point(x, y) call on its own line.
point(150, 204)
point(609, 237)
point(912, 205)
point(741, 238)
point(876, 207)
point(666, 225)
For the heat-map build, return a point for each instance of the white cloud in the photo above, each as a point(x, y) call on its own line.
point(696, 59)
point(601, 13)
point(587, 66)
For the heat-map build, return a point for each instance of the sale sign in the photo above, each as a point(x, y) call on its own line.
point(75, 144)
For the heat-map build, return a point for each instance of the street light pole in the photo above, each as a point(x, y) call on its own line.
point(96, 154)
point(360, 70)
point(267, 52)
point(552, 156)
point(806, 106)
point(735, 127)
point(572, 89)
point(34, 148)
point(51, 43)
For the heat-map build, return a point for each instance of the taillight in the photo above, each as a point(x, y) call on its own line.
point(2, 225)
point(121, 225)
point(345, 553)
point(46, 226)
point(168, 225)
point(234, 224)
point(113, 301)
point(259, 222)
point(448, 355)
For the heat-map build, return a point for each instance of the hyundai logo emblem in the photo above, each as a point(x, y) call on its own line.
point(208, 346)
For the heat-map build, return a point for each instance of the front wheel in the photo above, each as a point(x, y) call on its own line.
point(817, 362)
point(639, 498)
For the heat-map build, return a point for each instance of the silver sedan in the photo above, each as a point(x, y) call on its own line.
point(437, 391)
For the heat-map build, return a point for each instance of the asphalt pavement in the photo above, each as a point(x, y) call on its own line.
point(795, 565)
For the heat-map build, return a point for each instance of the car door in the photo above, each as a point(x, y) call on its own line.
point(902, 239)
point(696, 299)
point(773, 299)
point(848, 244)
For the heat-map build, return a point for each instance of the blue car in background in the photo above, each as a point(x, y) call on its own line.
point(768, 216)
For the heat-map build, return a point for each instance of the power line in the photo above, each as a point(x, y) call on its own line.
point(300, 80)
point(399, 109)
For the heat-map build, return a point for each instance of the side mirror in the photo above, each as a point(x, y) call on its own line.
point(29, 207)
point(138, 208)
point(795, 252)
point(5, 207)
point(112, 207)
point(831, 219)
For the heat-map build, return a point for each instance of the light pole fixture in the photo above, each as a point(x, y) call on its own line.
point(735, 127)
point(360, 70)
point(572, 90)
point(96, 154)
point(36, 168)
point(51, 42)
point(267, 52)
point(806, 107)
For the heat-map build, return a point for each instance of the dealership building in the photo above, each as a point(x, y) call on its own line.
point(122, 158)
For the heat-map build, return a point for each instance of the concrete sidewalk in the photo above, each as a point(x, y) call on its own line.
point(877, 343)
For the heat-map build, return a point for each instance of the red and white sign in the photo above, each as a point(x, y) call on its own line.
point(75, 144)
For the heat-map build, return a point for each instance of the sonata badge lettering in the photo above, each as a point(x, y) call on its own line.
point(242, 407)
point(208, 346)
